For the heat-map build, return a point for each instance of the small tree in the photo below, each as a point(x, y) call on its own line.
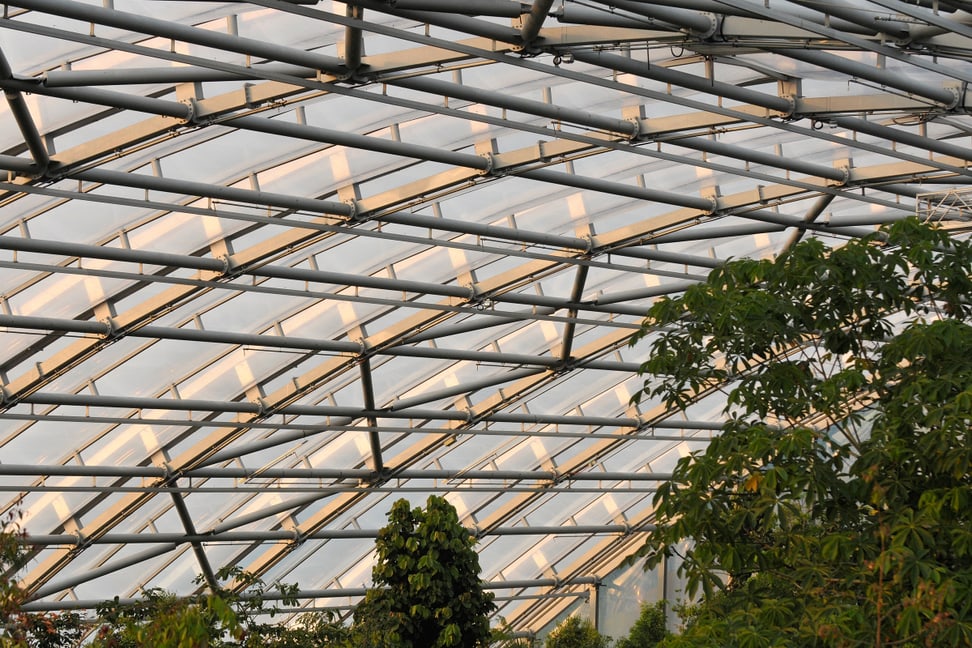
point(20, 629)
point(427, 592)
point(575, 632)
point(648, 630)
point(835, 509)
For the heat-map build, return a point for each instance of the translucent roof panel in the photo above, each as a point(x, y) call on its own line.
point(267, 266)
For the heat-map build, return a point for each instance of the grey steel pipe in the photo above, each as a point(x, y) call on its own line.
point(156, 27)
point(903, 137)
point(337, 474)
point(346, 592)
point(533, 21)
point(880, 76)
point(581, 15)
point(104, 570)
point(870, 20)
point(174, 333)
point(739, 9)
point(499, 100)
point(25, 122)
point(497, 8)
point(618, 189)
point(353, 43)
point(283, 535)
point(182, 74)
point(449, 20)
point(19, 165)
point(353, 413)
point(190, 188)
point(683, 80)
point(789, 163)
point(101, 97)
point(697, 23)
point(63, 248)
point(288, 342)
point(353, 140)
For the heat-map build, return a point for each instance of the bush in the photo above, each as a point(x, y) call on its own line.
point(575, 632)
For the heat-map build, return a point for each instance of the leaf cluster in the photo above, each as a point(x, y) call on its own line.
point(575, 632)
point(427, 590)
point(834, 508)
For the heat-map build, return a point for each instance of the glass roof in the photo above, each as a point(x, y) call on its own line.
point(267, 266)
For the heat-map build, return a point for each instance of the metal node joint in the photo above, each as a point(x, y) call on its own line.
point(355, 213)
point(112, 330)
point(490, 169)
point(637, 131)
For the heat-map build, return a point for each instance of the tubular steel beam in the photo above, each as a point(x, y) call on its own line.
point(533, 21)
point(353, 474)
point(167, 29)
point(18, 107)
point(196, 544)
point(284, 535)
point(347, 592)
point(696, 23)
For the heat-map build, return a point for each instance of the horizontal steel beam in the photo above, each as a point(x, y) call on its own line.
point(167, 29)
point(347, 592)
point(352, 413)
point(235, 472)
point(284, 535)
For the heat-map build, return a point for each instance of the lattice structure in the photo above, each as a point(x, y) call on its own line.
point(266, 266)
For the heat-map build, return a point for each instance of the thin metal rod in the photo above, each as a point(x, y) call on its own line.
point(284, 535)
point(346, 592)
point(308, 429)
point(352, 474)
point(241, 407)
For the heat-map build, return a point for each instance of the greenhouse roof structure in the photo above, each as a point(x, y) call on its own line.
point(268, 266)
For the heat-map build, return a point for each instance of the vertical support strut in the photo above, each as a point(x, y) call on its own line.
point(353, 43)
point(533, 21)
point(575, 294)
point(32, 137)
point(197, 549)
point(377, 463)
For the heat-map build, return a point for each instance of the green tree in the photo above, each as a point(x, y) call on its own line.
point(427, 592)
point(19, 629)
point(574, 632)
point(834, 509)
point(648, 630)
point(223, 619)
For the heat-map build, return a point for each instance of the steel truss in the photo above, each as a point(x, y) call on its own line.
point(258, 281)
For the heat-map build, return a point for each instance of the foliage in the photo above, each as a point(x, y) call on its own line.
point(221, 619)
point(20, 629)
point(504, 636)
point(834, 509)
point(648, 630)
point(575, 632)
point(427, 592)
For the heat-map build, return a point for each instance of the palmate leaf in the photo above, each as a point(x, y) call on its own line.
point(871, 503)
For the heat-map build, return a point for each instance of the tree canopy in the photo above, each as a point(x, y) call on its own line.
point(834, 508)
point(426, 591)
